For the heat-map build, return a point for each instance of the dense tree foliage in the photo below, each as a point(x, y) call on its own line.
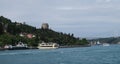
point(48, 35)
point(1, 29)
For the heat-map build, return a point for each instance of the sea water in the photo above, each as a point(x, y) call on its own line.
point(82, 55)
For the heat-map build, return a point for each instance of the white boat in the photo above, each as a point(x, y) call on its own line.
point(19, 46)
point(98, 43)
point(106, 44)
point(49, 45)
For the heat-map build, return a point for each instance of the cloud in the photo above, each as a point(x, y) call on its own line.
point(103, 1)
point(108, 0)
point(65, 8)
point(73, 8)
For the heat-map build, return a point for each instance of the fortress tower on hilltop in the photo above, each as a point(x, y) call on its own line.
point(45, 26)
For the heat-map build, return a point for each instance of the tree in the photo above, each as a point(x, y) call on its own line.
point(1, 29)
point(84, 41)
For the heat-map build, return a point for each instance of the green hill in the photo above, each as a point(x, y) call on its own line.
point(111, 40)
point(10, 34)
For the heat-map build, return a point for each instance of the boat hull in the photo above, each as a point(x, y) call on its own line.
point(47, 47)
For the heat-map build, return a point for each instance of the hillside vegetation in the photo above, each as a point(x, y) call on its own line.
point(111, 40)
point(10, 34)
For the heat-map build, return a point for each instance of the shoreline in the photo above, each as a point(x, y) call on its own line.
point(73, 46)
point(29, 48)
point(2, 49)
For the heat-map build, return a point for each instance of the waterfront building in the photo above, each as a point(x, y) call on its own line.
point(27, 35)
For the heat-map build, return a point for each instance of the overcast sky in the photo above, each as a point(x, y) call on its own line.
point(83, 18)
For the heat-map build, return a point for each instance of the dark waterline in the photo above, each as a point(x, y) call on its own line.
point(84, 55)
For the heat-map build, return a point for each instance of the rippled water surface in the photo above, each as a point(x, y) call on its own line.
point(84, 55)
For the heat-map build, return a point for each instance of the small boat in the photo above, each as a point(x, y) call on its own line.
point(106, 44)
point(19, 46)
point(49, 45)
point(98, 43)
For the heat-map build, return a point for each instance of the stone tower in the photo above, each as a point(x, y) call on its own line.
point(45, 26)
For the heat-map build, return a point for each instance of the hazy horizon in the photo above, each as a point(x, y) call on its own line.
point(83, 18)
